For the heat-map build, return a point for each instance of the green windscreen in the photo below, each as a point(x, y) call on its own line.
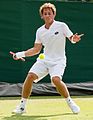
point(19, 20)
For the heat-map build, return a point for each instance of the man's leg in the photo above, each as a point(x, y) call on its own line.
point(61, 87)
point(63, 91)
point(26, 91)
point(27, 86)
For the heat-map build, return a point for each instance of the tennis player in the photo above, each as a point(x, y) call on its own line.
point(52, 35)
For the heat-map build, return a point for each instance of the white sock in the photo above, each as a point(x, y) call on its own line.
point(68, 99)
point(23, 102)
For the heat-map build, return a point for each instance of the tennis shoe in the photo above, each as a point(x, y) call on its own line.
point(19, 110)
point(75, 108)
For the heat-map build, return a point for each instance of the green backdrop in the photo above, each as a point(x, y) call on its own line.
point(19, 20)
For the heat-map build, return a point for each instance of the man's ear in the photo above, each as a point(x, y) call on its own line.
point(41, 17)
point(54, 15)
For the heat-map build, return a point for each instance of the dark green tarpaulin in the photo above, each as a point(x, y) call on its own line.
point(19, 20)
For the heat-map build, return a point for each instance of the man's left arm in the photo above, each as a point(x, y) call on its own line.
point(75, 38)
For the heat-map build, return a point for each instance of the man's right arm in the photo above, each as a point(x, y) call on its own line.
point(30, 52)
point(33, 51)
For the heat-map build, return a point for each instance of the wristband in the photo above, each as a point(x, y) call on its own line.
point(72, 41)
point(20, 54)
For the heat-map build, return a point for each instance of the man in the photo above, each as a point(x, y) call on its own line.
point(52, 35)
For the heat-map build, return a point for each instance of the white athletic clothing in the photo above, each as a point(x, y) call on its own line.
point(41, 68)
point(53, 40)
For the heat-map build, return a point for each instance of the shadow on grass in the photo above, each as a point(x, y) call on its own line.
point(32, 97)
point(43, 97)
point(33, 117)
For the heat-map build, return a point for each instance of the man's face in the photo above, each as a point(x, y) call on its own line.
point(48, 15)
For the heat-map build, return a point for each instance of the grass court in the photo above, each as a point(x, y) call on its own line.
point(47, 108)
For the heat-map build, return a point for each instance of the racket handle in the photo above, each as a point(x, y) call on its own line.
point(81, 35)
point(12, 53)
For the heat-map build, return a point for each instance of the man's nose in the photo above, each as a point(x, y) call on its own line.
point(47, 15)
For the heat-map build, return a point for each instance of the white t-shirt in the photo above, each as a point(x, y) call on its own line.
point(53, 40)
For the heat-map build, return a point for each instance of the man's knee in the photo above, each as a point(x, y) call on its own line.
point(32, 76)
point(56, 80)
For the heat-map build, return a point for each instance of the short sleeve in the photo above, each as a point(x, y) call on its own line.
point(67, 32)
point(37, 40)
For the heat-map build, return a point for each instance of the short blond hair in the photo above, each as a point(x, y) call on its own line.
point(47, 5)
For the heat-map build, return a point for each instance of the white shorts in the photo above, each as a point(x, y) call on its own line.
point(42, 68)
